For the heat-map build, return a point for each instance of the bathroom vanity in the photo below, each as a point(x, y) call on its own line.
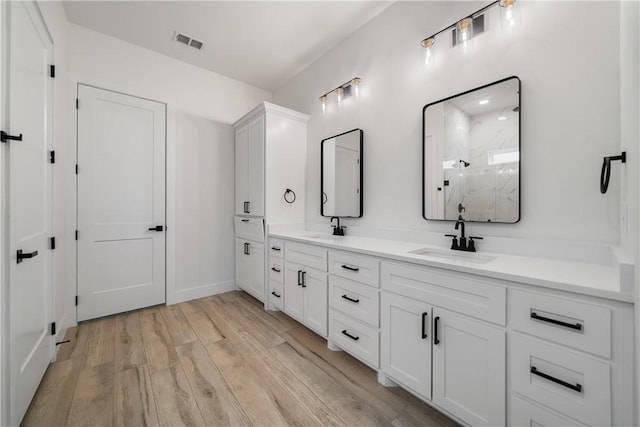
point(489, 339)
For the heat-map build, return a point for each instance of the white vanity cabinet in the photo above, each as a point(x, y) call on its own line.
point(250, 145)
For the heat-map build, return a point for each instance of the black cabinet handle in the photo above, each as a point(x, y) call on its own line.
point(244, 220)
point(247, 207)
point(576, 326)
point(576, 387)
point(346, 267)
point(304, 279)
point(436, 322)
point(246, 248)
point(424, 326)
point(277, 270)
point(299, 277)
point(275, 248)
point(351, 299)
point(274, 294)
point(20, 255)
point(5, 137)
point(344, 332)
point(156, 228)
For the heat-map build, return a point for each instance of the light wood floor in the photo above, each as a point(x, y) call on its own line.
point(220, 360)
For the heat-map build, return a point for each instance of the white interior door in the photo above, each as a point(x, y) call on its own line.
point(121, 201)
point(30, 214)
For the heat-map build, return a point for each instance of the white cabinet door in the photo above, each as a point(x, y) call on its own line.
point(314, 284)
point(406, 342)
point(256, 270)
point(255, 163)
point(242, 265)
point(469, 377)
point(242, 170)
point(293, 291)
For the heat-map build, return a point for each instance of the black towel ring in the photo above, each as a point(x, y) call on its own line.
point(287, 192)
point(605, 174)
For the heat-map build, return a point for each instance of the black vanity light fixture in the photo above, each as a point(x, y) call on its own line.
point(345, 90)
point(472, 25)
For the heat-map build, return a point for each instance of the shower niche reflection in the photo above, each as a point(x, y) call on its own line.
point(471, 155)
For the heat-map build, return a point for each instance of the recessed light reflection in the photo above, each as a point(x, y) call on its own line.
point(483, 102)
point(502, 118)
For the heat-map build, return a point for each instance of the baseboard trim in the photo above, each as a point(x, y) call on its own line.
point(201, 291)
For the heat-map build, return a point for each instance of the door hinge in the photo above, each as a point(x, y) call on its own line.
point(52, 242)
point(76, 234)
point(76, 169)
point(76, 300)
point(52, 156)
point(77, 103)
point(52, 71)
point(53, 328)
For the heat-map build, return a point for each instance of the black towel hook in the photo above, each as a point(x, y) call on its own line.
point(605, 174)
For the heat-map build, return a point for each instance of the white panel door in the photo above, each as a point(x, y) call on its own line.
point(256, 270)
point(406, 344)
point(243, 272)
point(315, 300)
point(469, 375)
point(242, 171)
point(30, 214)
point(293, 291)
point(121, 201)
point(256, 167)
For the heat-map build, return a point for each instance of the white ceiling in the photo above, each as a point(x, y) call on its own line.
point(262, 43)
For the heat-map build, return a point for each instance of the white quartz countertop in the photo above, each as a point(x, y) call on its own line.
point(583, 278)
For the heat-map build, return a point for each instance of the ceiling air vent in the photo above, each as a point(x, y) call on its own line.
point(188, 41)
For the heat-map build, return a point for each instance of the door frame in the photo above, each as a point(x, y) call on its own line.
point(169, 261)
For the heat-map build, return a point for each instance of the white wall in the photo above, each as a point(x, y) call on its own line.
point(567, 56)
point(196, 99)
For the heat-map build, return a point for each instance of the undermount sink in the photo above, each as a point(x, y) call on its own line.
point(454, 255)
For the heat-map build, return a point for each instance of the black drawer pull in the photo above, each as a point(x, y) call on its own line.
point(244, 220)
point(351, 299)
point(346, 267)
point(344, 332)
point(424, 326)
point(274, 294)
point(275, 248)
point(576, 387)
point(20, 255)
point(277, 270)
point(576, 326)
point(436, 322)
point(246, 249)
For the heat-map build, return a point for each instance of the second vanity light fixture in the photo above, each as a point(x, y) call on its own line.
point(466, 28)
point(345, 90)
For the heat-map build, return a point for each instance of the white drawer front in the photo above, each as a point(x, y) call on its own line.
point(357, 300)
point(276, 248)
point(469, 295)
point(276, 294)
point(250, 228)
point(568, 322)
point(358, 339)
point(307, 255)
point(276, 270)
point(525, 413)
point(355, 267)
point(566, 381)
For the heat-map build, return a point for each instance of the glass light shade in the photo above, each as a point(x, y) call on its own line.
point(339, 92)
point(464, 30)
point(356, 86)
point(428, 50)
point(509, 15)
point(323, 101)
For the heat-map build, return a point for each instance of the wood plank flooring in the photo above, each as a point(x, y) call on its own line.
point(220, 361)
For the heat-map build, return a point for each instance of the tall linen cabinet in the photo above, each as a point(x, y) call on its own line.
point(271, 158)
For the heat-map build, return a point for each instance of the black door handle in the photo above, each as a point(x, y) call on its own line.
point(344, 332)
point(299, 277)
point(424, 326)
point(351, 299)
point(346, 267)
point(156, 228)
point(436, 322)
point(277, 270)
point(246, 207)
point(576, 387)
point(304, 279)
point(20, 255)
point(246, 249)
point(576, 326)
point(5, 137)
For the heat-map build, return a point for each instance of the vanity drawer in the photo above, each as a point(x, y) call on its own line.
point(525, 413)
point(571, 383)
point(356, 338)
point(357, 300)
point(307, 255)
point(458, 292)
point(355, 267)
point(276, 248)
point(250, 228)
point(568, 322)
point(276, 270)
point(276, 294)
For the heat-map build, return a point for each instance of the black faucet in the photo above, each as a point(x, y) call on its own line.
point(337, 230)
point(462, 244)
